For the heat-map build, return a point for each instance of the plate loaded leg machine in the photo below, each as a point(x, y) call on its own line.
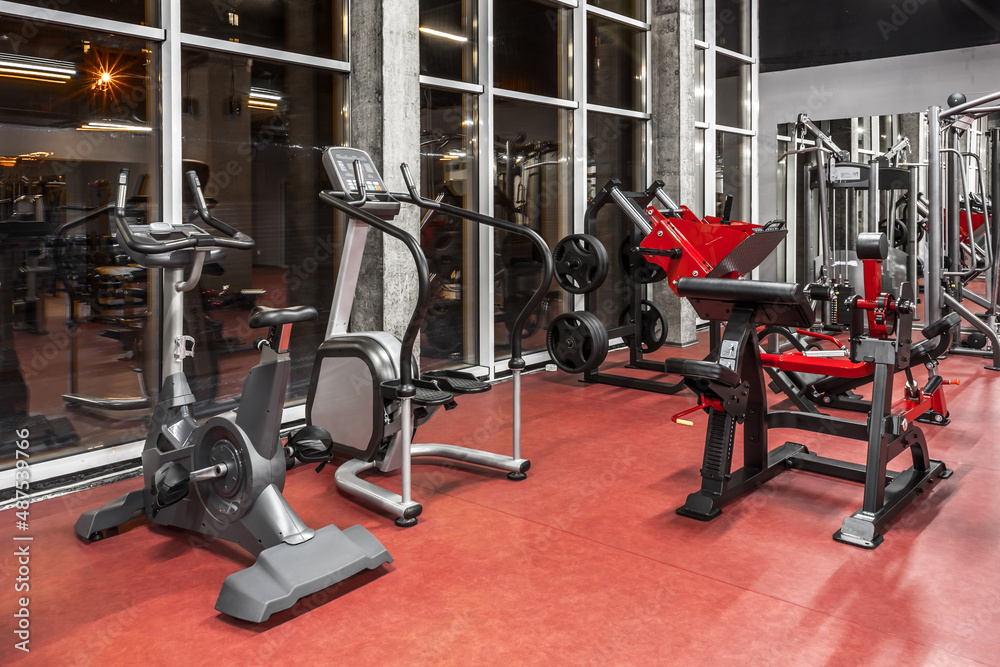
point(364, 402)
point(223, 479)
point(732, 391)
point(658, 246)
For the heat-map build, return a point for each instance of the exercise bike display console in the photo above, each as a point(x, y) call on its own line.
point(224, 478)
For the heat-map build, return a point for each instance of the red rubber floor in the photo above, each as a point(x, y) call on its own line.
point(585, 562)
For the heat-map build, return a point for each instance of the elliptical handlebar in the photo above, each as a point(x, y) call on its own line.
point(516, 335)
point(340, 202)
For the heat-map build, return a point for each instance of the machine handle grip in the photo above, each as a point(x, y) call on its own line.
point(122, 192)
point(237, 239)
point(419, 200)
point(819, 292)
point(727, 210)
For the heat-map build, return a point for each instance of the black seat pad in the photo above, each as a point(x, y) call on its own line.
point(262, 316)
point(702, 370)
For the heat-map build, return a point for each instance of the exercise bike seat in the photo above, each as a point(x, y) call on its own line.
point(696, 369)
point(457, 382)
point(262, 316)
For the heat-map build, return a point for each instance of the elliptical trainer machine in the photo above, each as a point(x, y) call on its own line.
point(364, 402)
point(224, 478)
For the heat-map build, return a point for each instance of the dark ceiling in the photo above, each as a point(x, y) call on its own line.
point(795, 33)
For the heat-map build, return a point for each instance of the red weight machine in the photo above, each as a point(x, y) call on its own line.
point(664, 242)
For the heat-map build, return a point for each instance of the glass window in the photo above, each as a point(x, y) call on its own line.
point(699, 19)
point(254, 130)
point(732, 174)
point(635, 9)
point(447, 39)
point(731, 27)
point(143, 12)
point(448, 172)
point(614, 64)
point(614, 150)
point(732, 92)
point(310, 27)
point(531, 48)
point(77, 107)
point(533, 187)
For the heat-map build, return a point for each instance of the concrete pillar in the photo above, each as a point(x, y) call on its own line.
point(673, 83)
point(385, 121)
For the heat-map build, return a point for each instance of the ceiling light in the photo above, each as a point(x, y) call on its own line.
point(113, 126)
point(263, 98)
point(446, 35)
point(35, 69)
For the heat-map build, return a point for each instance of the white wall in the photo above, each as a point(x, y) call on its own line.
point(867, 88)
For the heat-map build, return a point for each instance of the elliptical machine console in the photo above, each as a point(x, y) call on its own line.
point(224, 478)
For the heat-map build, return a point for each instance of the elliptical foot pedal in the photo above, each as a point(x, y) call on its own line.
point(428, 392)
point(285, 573)
point(457, 382)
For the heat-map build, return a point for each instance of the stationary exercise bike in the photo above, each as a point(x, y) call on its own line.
point(364, 400)
point(224, 478)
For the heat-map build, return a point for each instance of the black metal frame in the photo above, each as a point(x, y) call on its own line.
point(638, 201)
point(886, 492)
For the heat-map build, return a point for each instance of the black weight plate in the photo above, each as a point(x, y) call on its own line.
point(577, 342)
point(646, 271)
point(653, 326)
point(581, 263)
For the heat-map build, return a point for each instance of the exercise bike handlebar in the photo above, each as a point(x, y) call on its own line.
point(239, 239)
point(340, 202)
point(516, 335)
point(148, 245)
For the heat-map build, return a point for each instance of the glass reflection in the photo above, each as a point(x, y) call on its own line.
point(448, 173)
point(732, 174)
point(614, 64)
point(255, 130)
point(732, 92)
point(730, 26)
point(635, 9)
point(310, 27)
point(143, 12)
point(77, 107)
point(531, 48)
point(533, 187)
point(614, 148)
point(447, 39)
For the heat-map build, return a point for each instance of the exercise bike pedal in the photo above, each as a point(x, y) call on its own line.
point(171, 484)
point(457, 382)
point(311, 444)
